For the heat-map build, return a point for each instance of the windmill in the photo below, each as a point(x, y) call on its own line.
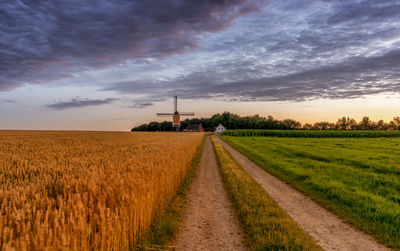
point(176, 116)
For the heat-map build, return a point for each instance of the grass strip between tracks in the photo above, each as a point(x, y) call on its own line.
point(167, 223)
point(265, 224)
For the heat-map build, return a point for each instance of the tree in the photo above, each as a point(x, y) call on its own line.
point(365, 123)
point(142, 127)
point(291, 124)
point(324, 126)
point(234, 121)
point(153, 126)
point(344, 123)
point(353, 124)
point(307, 126)
point(396, 121)
point(166, 126)
point(381, 125)
point(392, 126)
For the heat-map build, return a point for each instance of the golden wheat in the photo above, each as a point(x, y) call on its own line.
point(87, 190)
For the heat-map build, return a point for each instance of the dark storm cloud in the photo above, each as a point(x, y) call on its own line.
point(77, 103)
point(47, 40)
point(299, 50)
point(10, 101)
point(142, 105)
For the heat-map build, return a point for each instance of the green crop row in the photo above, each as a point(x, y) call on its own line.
point(313, 133)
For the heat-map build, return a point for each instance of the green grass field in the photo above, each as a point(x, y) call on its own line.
point(356, 178)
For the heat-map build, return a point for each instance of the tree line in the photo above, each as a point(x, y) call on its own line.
point(234, 121)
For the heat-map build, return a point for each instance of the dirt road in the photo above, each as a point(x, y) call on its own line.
point(210, 222)
point(329, 231)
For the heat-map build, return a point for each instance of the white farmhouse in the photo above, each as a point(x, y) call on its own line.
point(220, 128)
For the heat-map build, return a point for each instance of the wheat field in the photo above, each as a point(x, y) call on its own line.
point(87, 190)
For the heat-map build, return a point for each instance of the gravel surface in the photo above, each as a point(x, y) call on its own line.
point(210, 222)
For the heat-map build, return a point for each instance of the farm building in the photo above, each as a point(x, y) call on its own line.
point(220, 128)
point(194, 128)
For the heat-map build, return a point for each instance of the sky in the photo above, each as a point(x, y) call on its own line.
point(113, 64)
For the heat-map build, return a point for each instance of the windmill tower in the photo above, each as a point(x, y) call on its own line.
point(176, 116)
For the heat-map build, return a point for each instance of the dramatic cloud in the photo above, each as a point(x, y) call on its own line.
point(297, 52)
point(142, 105)
point(76, 103)
point(357, 77)
point(9, 101)
point(47, 40)
point(282, 51)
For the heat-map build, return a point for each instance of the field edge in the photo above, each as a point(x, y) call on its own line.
point(167, 223)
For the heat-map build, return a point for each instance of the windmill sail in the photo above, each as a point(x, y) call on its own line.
point(176, 116)
point(176, 104)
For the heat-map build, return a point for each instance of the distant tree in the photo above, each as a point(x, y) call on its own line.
point(353, 124)
point(307, 126)
point(392, 125)
point(365, 124)
point(153, 126)
point(343, 123)
point(142, 127)
point(396, 121)
point(166, 126)
point(291, 124)
point(324, 126)
point(381, 125)
point(234, 121)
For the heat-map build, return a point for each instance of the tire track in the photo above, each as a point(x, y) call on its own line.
point(210, 222)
